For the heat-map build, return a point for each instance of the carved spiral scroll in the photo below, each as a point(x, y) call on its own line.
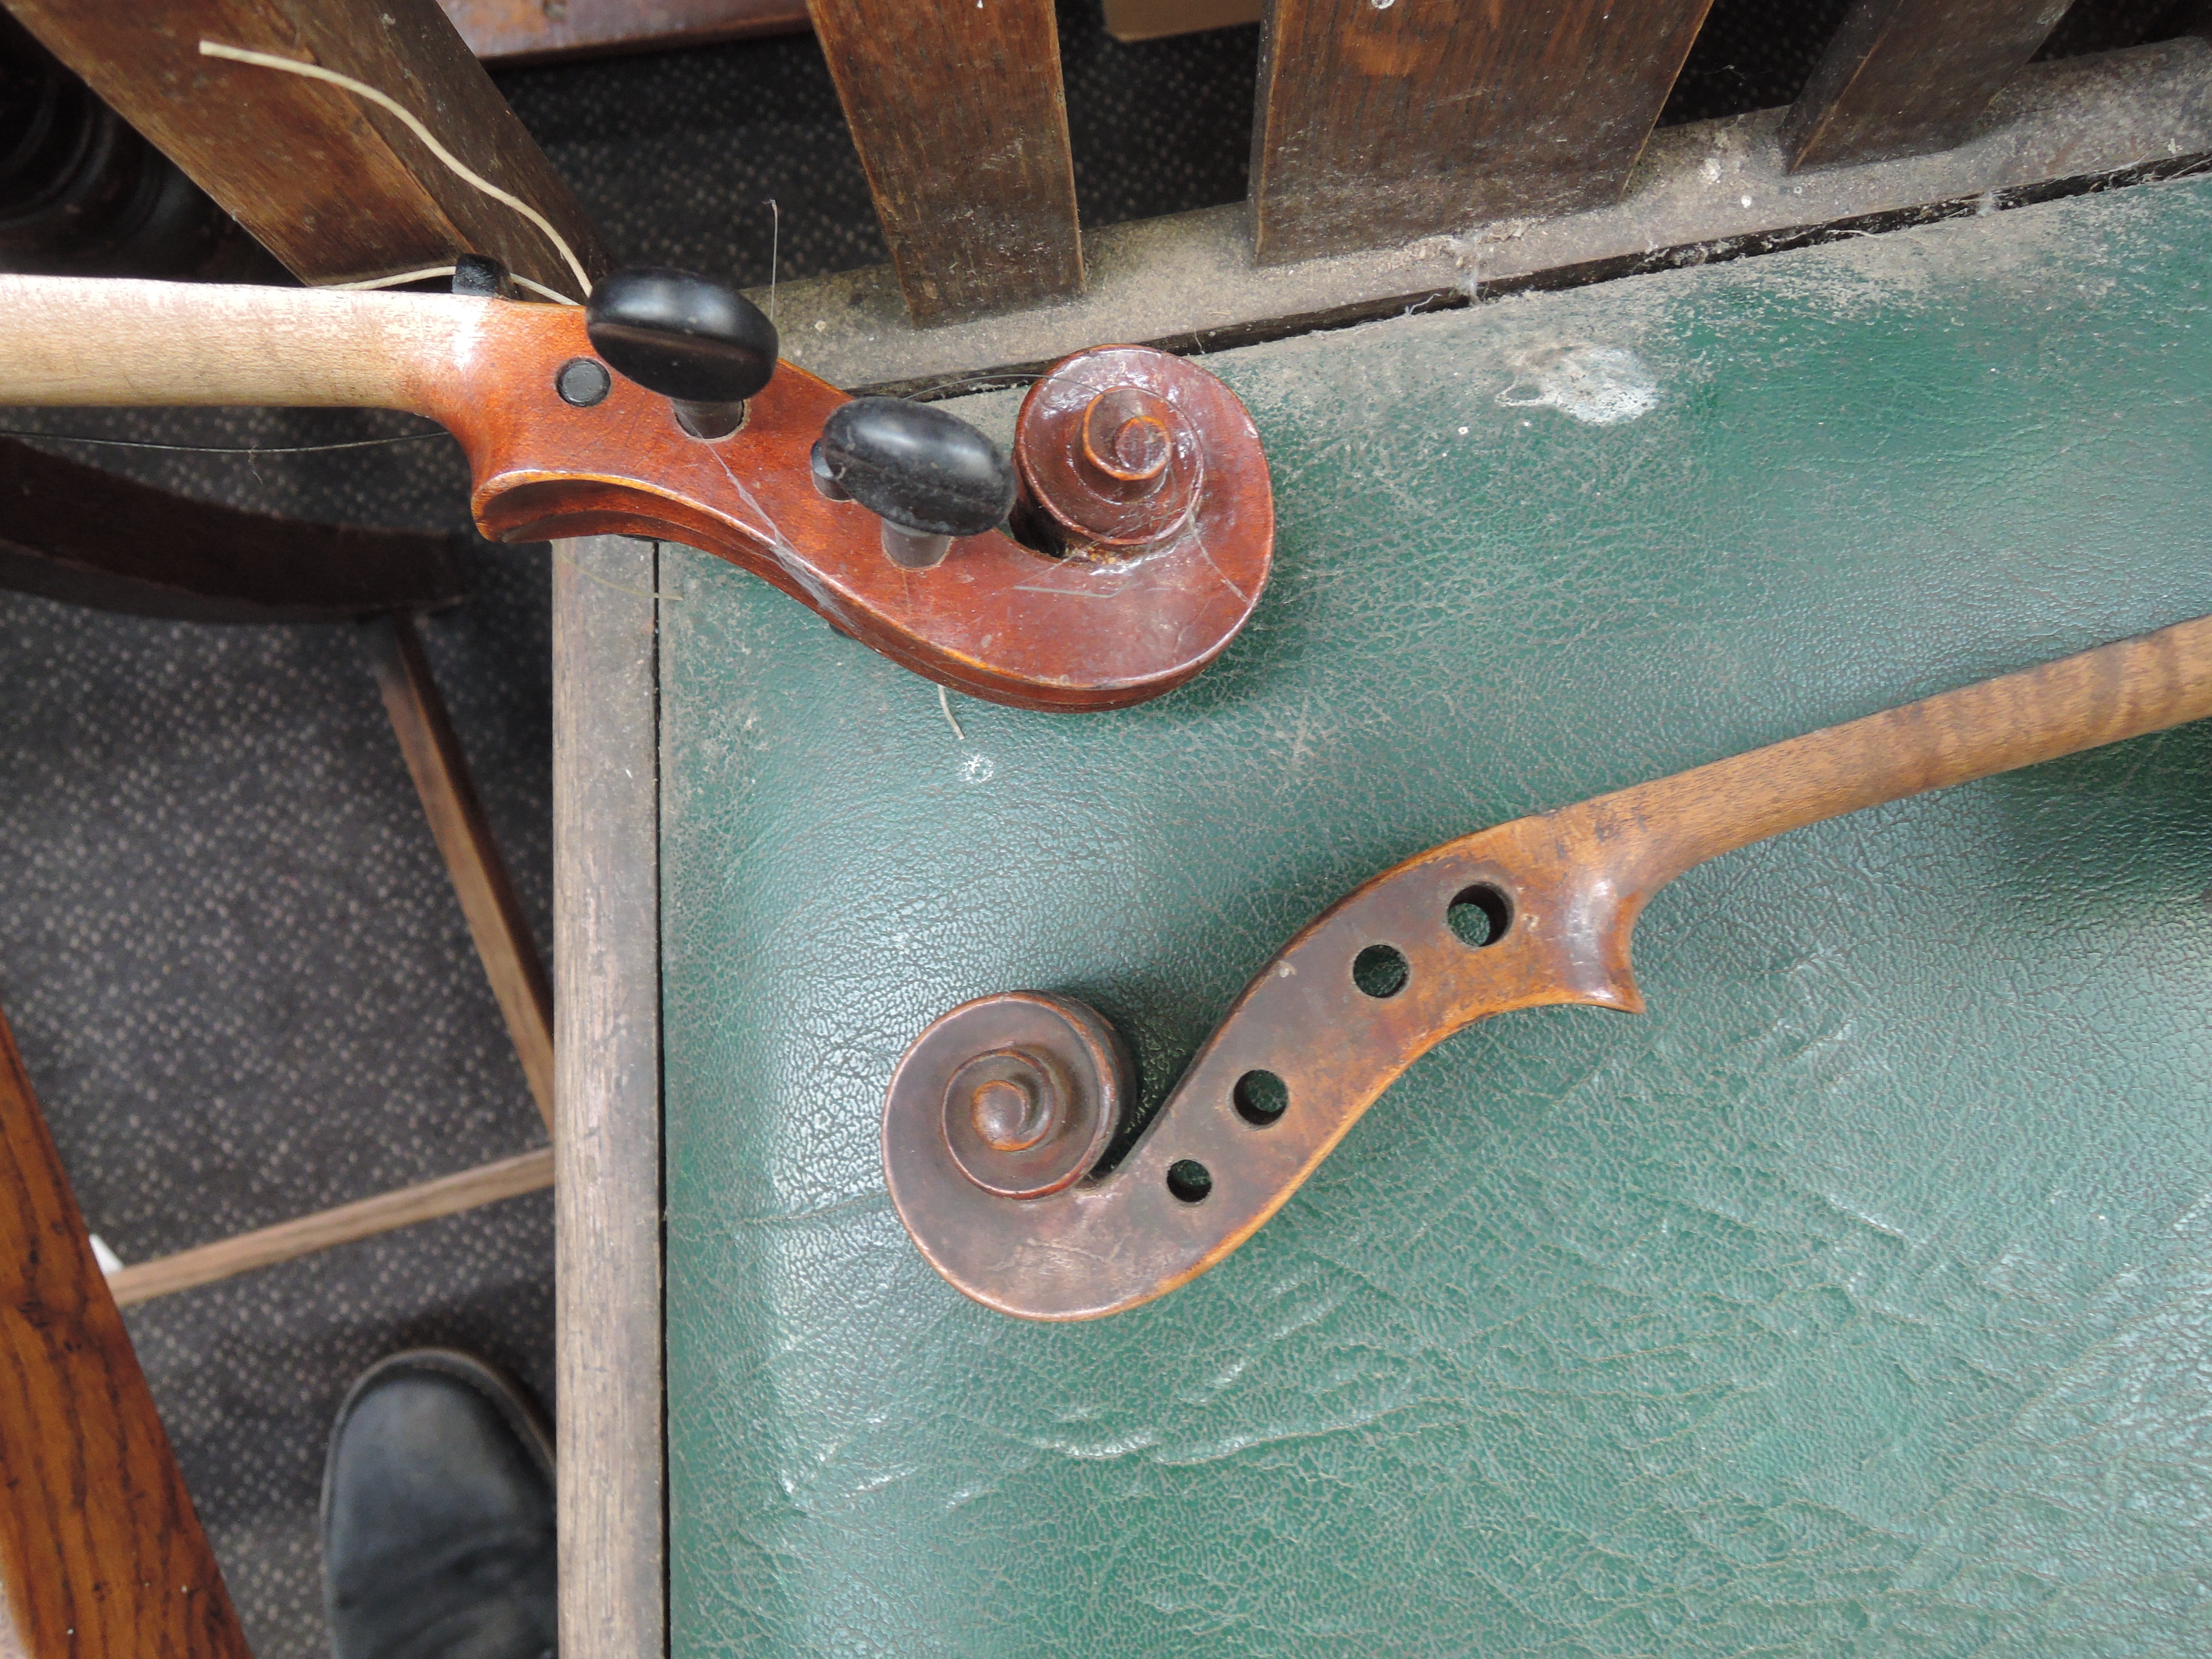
point(1143, 539)
point(1473, 928)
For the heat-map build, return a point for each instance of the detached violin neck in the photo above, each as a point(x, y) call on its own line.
point(79, 341)
point(1649, 834)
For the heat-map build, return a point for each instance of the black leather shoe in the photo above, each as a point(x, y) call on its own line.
point(438, 1516)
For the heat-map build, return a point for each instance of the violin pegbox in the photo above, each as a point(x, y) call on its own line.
point(1117, 550)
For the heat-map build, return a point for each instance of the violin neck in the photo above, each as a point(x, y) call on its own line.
point(77, 341)
point(1655, 831)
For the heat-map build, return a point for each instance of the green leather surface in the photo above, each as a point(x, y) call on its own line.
point(1857, 1298)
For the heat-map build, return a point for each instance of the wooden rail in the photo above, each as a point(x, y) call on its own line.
point(488, 1183)
point(433, 751)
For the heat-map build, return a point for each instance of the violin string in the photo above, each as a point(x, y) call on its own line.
point(945, 702)
point(223, 449)
point(397, 277)
point(428, 271)
point(453, 163)
point(775, 235)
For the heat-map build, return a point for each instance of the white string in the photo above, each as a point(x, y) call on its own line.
point(428, 271)
point(775, 235)
point(362, 89)
point(541, 290)
point(422, 274)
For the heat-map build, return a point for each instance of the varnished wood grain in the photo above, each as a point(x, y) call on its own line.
point(606, 955)
point(1378, 125)
point(998, 619)
point(533, 31)
point(100, 1553)
point(1902, 77)
point(334, 187)
point(488, 1183)
point(1565, 888)
point(958, 115)
point(440, 771)
point(76, 534)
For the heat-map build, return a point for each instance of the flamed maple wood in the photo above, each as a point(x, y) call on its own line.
point(996, 620)
point(1558, 896)
point(100, 1553)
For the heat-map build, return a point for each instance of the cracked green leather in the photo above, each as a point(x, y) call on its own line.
point(1856, 1299)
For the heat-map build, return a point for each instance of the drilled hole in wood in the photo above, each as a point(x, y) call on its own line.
point(1480, 915)
point(1036, 529)
point(1380, 971)
point(1189, 1180)
point(1261, 1097)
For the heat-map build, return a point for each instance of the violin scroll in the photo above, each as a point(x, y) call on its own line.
point(1112, 460)
point(1031, 1090)
point(1480, 926)
point(1534, 912)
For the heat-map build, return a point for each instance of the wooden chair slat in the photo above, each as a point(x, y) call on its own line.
point(1905, 77)
point(1379, 124)
point(959, 116)
point(335, 188)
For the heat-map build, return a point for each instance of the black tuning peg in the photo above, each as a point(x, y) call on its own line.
point(927, 475)
point(699, 344)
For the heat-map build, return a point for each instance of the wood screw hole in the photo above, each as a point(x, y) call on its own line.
point(1380, 971)
point(1480, 915)
point(1189, 1180)
point(1261, 1097)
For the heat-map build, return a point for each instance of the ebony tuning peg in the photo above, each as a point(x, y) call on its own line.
point(699, 344)
point(927, 475)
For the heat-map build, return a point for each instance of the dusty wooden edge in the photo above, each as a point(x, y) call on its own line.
point(607, 1195)
point(488, 1183)
point(1704, 192)
point(505, 34)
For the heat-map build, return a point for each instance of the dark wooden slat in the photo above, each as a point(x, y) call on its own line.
point(607, 1195)
point(958, 111)
point(335, 188)
point(1130, 21)
point(441, 772)
point(72, 532)
point(532, 31)
point(1377, 126)
point(1904, 77)
point(100, 1550)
